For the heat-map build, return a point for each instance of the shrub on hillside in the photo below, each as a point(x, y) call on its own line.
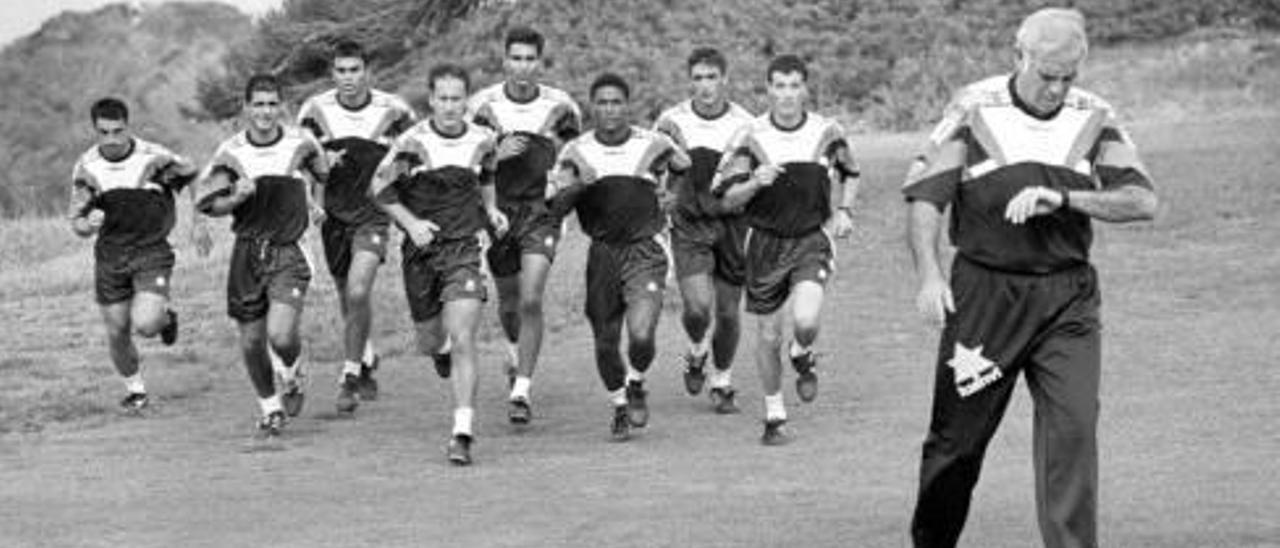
point(888, 62)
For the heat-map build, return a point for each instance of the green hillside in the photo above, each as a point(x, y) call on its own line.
point(879, 64)
point(890, 63)
point(151, 57)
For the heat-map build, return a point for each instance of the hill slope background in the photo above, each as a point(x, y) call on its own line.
point(151, 56)
point(880, 65)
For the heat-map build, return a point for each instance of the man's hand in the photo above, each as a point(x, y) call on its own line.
point(511, 146)
point(498, 220)
point(766, 174)
point(318, 215)
point(243, 189)
point(840, 224)
point(334, 158)
point(666, 200)
point(560, 179)
point(201, 238)
point(934, 301)
point(422, 232)
point(1032, 202)
point(89, 224)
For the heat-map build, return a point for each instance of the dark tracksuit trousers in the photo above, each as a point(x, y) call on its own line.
point(1046, 327)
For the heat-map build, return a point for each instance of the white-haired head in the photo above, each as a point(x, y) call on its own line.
point(1053, 35)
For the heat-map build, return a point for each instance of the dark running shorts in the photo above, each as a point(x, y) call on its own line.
point(342, 241)
point(262, 273)
point(775, 264)
point(710, 245)
point(119, 273)
point(531, 231)
point(618, 274)
point(444, 271)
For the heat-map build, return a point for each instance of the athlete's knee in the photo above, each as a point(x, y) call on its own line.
point(806, 334)
point(282, 340)
point(117, 330)
point(357, 297)
point(641, 350)
point(727, 317)
point(696, 315)
point(429, 343)
point(641, 339)
point(610, 340)
point(770, 334)
point(150, 324)
point(252, 340)
point(530, 306)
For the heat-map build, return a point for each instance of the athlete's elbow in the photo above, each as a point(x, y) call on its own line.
point(1148, 206)
point(1144, 205)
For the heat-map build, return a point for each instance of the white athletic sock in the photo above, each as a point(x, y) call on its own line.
point(797, 350)
point(721, 379)
point(446, 347)
point(618, 397)
point(350, 367)
point(634, 376)
point(520, 388)
point(462, 421)
point(699, 348)
point(369, 353)
point(270, 403)
point(774, 409)
point(134, 384)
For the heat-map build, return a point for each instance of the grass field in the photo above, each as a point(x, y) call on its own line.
point(1189, 434)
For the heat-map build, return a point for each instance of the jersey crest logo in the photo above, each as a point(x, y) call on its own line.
point(973, 372)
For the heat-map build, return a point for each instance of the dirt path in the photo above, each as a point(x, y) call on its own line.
point(1188, 436)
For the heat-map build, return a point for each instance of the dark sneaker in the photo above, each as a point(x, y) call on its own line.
point(271, 425)
point(722, 400)
point(637, 408)
point(292, 397)
point(459, 449)
point(169, 333)
point(621, 428)
point(695, 375)
point(519, 412)
point(135, 402)
point(444, 364)
point(775, 432)
point(366, 385)
point(347, 391)
point(807, 381)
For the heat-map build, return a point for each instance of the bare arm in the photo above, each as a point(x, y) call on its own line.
point(224, 202)
point(85, 220)
point(1125, 204)
point(924, 224)
point(845, 190)
point(737, 195)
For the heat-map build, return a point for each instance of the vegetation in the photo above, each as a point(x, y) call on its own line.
point(880, 64)
point(151, 57)
point(889, 63)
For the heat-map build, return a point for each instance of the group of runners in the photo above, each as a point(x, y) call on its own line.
point(480, 189)
point(743, 205)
